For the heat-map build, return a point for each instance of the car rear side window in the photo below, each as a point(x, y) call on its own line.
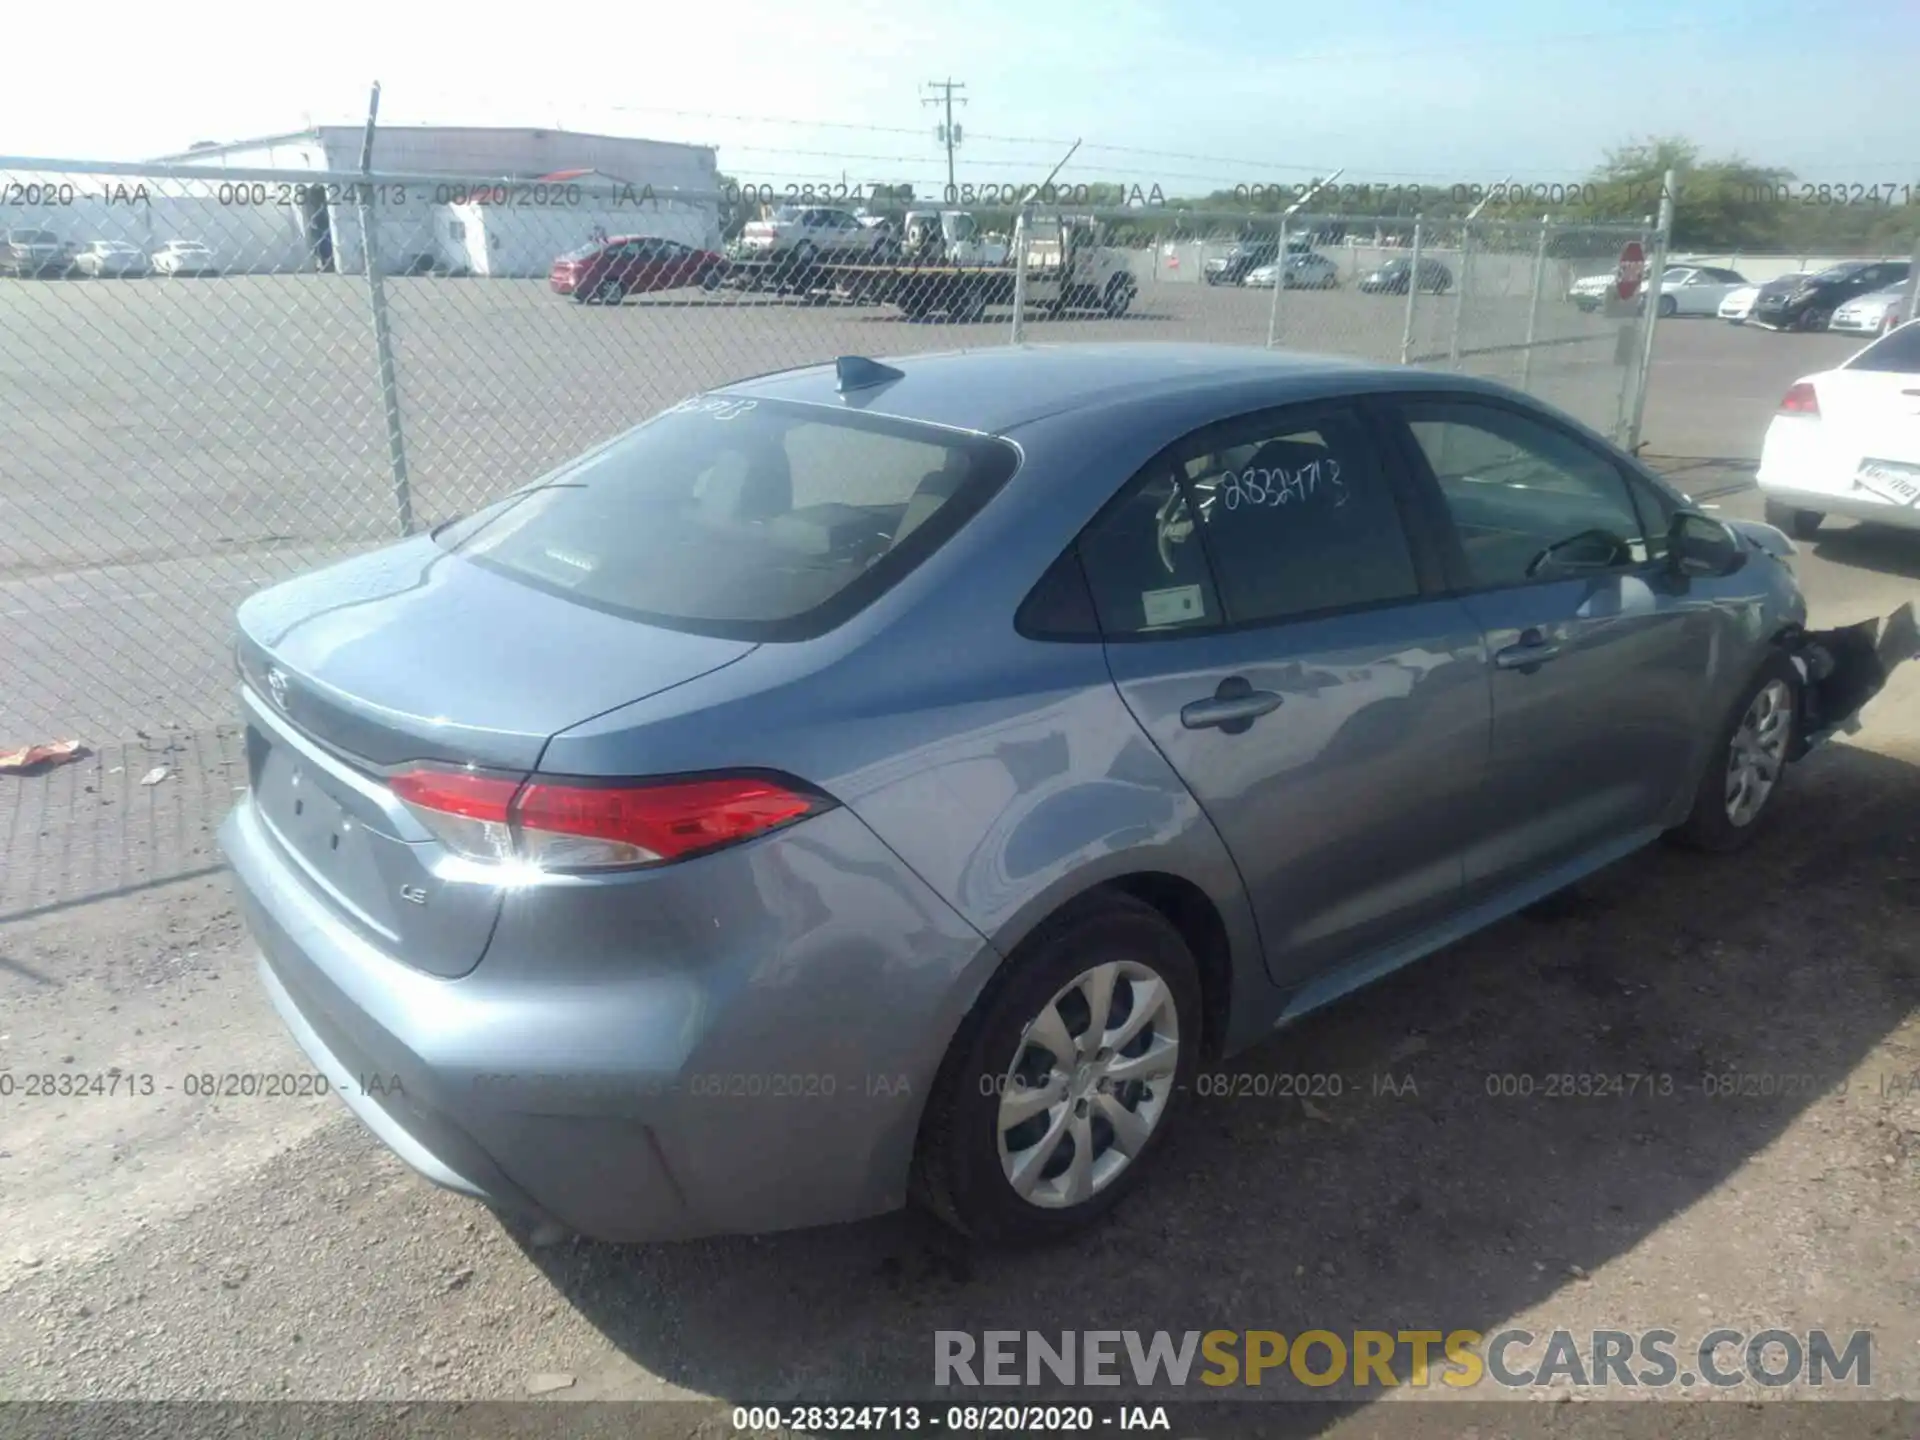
point(752, 519)
point(1250, 523)
point(1299, 519)
point(1145, 563)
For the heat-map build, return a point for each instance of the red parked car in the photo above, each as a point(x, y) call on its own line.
point(605, 272)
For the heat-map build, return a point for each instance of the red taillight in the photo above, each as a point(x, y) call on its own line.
point(569, 825)
point(1801, 400)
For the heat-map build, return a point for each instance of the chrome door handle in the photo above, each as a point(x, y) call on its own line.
point(1524, 657)
point(1230, 710)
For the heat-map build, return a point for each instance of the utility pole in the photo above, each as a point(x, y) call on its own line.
point(949, 133)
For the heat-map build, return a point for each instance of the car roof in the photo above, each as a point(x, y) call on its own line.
point(998, 389)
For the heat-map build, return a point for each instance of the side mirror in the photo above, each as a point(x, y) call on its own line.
point(1700, 545)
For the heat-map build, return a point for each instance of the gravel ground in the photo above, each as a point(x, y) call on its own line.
point(165, 1246)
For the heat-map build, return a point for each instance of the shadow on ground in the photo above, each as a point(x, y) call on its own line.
point(1870, 547)
point(1442, 1209)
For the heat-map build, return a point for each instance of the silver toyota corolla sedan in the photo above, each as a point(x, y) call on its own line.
point(886, 781)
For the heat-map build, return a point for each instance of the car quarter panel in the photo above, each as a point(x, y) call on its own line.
point(754, 1056)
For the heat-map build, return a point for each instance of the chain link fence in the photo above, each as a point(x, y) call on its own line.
point(206, 388)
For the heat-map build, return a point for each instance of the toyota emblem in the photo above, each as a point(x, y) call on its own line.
point(277, 684)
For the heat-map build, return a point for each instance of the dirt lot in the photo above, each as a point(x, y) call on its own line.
point(168, 1246)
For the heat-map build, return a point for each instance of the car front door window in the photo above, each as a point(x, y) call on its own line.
point(1528, 503)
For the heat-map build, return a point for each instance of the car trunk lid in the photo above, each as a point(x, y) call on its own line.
point(415, 655)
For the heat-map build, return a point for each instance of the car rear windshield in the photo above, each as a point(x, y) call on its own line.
point(750, 519)
point(1898, 352)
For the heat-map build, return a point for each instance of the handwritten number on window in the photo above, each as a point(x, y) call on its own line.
point(1279, 486)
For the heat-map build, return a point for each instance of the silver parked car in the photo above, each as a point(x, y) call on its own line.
point(805, 233)
point(33, 252)
point(885, 780)
point(1305, 270)
point(1875, 313)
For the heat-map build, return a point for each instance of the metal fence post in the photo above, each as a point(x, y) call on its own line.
point(1661, 238)
point(1912, 312)
point(1279, 284)
point(1533, 305)
point(1460, 293)
point(382, 337)
point(1020, 272)
point(1413, 291)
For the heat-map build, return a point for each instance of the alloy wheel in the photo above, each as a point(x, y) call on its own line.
point(1088, 1084)
point(1758, 751)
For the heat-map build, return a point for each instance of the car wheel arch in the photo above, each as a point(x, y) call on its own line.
point(1180, 900)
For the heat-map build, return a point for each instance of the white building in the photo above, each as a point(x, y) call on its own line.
point(547, 191)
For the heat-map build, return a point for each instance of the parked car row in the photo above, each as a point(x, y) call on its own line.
point(1683, 289)
point(36, 253)
point(1861, 296)
point(1256, 264)
point(1874, 313)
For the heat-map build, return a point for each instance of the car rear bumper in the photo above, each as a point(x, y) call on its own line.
point(742, 1043)
point(562, 284)
point(1854, 505)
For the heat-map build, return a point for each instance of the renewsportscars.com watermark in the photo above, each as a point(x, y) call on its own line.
point(1391, 1359)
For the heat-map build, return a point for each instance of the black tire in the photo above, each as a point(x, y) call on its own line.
point(1118, 298)
point(713, 279)
point(1811, 319)
point(1800, 524)
point(1668, 306)
point(958, 1174)
point(1708, 825)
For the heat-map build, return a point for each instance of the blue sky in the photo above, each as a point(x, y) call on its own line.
point(1226, 92)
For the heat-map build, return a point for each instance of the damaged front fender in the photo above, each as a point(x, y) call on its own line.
point(1841, 670)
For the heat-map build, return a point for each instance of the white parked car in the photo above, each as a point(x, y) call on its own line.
point(1737, 304)
point(183, 257)
point(1306, 270)
point(1697, 289)
point(110, 257)
point(805, 231)
point(1873, 314)
point(1847, 441)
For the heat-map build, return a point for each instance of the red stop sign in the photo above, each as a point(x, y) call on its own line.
point(1632, 270)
